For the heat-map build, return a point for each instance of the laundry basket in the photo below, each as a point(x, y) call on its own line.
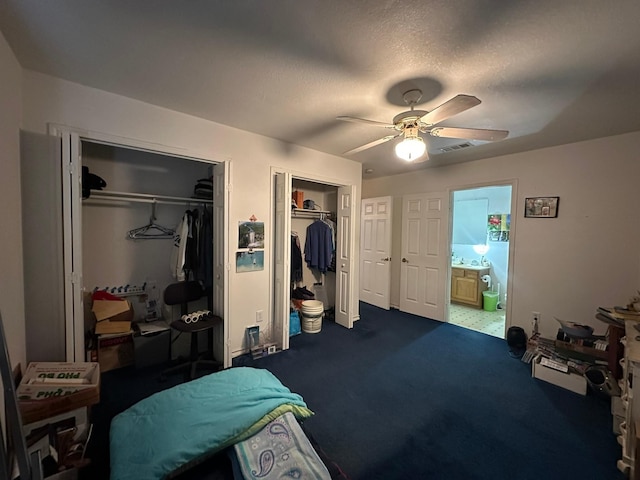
point(489, 301)
point(311, 316)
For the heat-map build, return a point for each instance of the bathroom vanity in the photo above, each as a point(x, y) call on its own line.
point(466, 286)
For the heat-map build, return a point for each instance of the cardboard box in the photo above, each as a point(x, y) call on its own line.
point(298, 197)
point(112, 316)
point(107, 327)
point(115, 351)
point(51, 388)
point(113, 310)
point(571, 381)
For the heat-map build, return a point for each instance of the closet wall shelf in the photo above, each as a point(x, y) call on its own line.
point(146, 198)
point(305, 213)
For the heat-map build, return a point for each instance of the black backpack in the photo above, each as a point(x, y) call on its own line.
point(517, 340)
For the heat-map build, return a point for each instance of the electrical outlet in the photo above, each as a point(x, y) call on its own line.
point(535, 319)
point(259, 315)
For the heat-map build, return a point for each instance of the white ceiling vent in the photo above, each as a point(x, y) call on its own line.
point(460, 146)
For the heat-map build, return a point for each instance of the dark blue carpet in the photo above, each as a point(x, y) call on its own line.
point(404, 397)
point(400, 396)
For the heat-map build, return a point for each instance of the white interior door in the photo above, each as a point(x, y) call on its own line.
point(424, 267)
point(221, 182)
point(345, 257)
point(282, 253)
point(375, 251)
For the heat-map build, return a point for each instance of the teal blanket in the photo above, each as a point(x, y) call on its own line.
point(166, 432)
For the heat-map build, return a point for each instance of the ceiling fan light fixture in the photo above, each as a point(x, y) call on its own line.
point(410, 149)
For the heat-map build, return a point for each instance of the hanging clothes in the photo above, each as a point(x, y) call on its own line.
point(318, 248)
point(205, 249)
point(296, 259)
point(332, 226)
point(178, 252)
point(185, 256)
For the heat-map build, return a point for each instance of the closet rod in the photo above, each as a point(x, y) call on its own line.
point(146, 198)
point(304, 213)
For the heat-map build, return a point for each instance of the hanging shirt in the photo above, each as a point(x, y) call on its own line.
point(178, 252)
point(296, 259)
point(318, 247)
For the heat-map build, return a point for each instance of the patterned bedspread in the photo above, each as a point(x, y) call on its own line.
point(280, 450)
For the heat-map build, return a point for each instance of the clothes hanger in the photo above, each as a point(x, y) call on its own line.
point(152, 230)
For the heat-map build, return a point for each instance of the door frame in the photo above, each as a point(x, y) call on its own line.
point(282, 326)
point(513, 183)
point(71, 159)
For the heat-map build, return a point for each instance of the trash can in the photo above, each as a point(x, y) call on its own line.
point(490, 301)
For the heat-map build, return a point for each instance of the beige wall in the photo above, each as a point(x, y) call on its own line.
point(564, 267)
point(11, 277)
point(251, 156)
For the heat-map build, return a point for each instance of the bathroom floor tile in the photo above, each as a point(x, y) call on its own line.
point(490, 323)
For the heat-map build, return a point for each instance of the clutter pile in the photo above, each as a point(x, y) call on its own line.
point(575, 359)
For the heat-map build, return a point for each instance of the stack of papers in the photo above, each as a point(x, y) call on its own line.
point(149, 328)
point(616, 315)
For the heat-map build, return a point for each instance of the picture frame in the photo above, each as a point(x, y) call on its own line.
point(253, 336)
point(249, 261)
point(541, 207)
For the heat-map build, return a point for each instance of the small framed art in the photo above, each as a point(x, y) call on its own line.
point(541, 207)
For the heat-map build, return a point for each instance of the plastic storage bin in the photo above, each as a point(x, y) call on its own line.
point(489, 301)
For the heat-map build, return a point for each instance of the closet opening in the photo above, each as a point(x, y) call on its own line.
point(313, 254)
point(150, 226)
point(119, 238)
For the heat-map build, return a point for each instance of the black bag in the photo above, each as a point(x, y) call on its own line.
point(517, 340)
point(90, 182)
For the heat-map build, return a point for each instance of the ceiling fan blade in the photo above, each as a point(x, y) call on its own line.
point(457, 104)
point(364, 120)
point(470, 133)
point(372, 144)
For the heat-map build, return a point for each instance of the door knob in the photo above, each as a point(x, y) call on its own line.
point(404, 260)
point(385, 259)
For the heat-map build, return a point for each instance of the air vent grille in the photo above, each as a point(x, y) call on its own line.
point(460, 146)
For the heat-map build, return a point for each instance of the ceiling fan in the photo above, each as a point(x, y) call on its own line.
point(412, 122)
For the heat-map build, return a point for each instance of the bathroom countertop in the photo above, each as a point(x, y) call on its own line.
point(469, 267)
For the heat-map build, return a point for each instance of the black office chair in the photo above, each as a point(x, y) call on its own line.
point(182, 293)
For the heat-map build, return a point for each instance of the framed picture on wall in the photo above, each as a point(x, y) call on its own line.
point(541, 207)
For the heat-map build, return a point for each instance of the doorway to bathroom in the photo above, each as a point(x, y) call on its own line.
point(480, 252)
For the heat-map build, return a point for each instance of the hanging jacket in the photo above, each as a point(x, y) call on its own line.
point(318, 247)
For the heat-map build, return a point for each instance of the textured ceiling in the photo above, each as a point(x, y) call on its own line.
point(550, 72)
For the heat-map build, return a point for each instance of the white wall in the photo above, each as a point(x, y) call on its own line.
point(47, 99)
point(564, 267)
point(11, 276)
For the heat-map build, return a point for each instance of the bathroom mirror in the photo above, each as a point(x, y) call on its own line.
point(470, 221)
